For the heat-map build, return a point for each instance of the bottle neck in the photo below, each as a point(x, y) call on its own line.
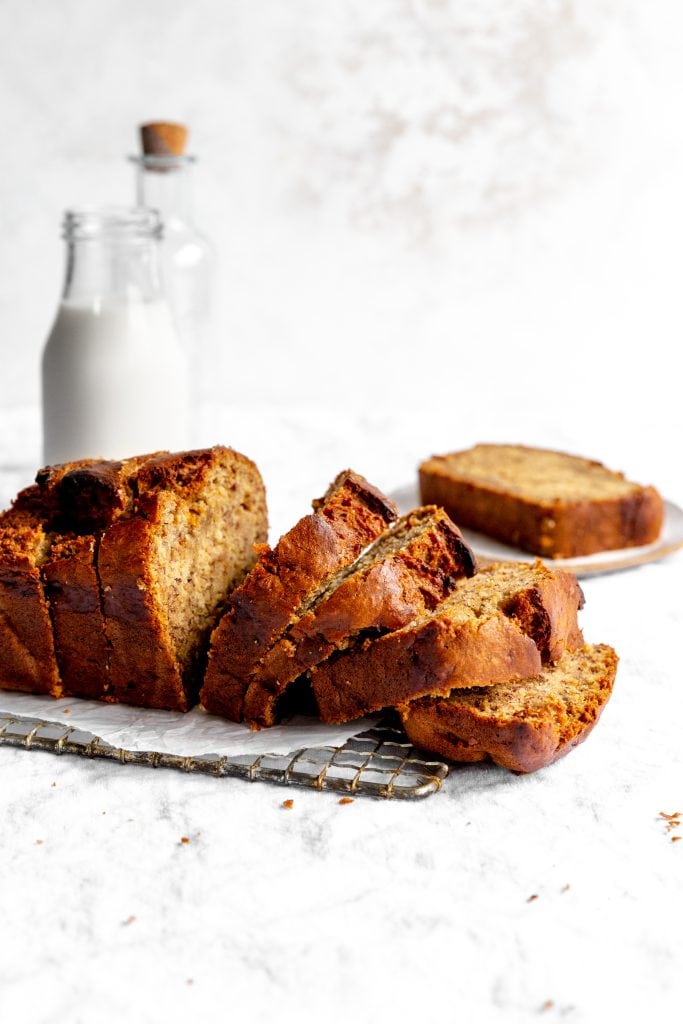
point(102, 270)
point(164, 184)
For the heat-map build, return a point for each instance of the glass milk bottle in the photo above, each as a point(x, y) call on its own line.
point(164, 182)
point(114, 372)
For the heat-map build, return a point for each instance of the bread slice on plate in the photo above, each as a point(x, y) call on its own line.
point(504, 623)
point(410, 568)
point(523, 725)
point(286, 581)
point(546, 502)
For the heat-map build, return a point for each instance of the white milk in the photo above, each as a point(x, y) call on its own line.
point(114, 382)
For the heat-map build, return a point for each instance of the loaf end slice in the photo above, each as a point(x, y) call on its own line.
point(549, 503)
point(410, 568)
point(523, 725)
point(501, 624)
point(27, 654)
point(286, 581)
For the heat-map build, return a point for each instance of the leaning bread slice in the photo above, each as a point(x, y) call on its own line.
point(410, 568)
point(166, 567)
point(501, 624)
point(523, 725)
point(546, 502)
point(27, 653)
point(286, 581)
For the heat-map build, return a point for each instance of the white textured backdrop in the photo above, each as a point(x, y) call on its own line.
point(415, 203)
point(438, 221)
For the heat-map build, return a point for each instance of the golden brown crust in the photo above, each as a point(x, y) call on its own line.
point(84, 498)
point(553, 528)
point(27, 654)
point(72, 589)
point(522, 739)
point(384, 596)
point(450, 649)
point(349, 517)
point(143, 668)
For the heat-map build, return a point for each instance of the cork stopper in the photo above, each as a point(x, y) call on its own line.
point(163, 138)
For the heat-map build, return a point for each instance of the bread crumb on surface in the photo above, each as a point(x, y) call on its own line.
point(288, 804)
point(671, 821)
point(39, 842)
point(676, 839)
point(66, 711)
point(184, 840)
point(565, 888)
point(129, 920)
point(532, 898)
point(547, 1005)
point(346, 800)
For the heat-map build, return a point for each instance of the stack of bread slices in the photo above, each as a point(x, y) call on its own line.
point(148, 581)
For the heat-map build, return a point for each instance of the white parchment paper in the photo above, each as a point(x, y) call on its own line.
point(172, 732)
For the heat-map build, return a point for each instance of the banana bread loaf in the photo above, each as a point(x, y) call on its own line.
point(546, 502)
point(522, 725)
point(410, 568)
point(285, 581)
point(501, 624)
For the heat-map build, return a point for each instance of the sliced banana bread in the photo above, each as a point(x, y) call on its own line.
point(286, 581)
point(501, 624)
point(166, 567)
point(546, 502)
point(522, 725)
point(27, 653)
point(410, 568)
point(85, 498)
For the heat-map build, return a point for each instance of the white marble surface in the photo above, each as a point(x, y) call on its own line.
point(373, 909)
point(438, 223)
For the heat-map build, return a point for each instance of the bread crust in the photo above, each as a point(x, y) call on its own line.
point(381, 598)
point(73, 592)
point(142, 665)
point(27, 653)
point(142, 668)
point(464, 733)
point(439, 654)
point(550, 528)
point(348, 518)
point(82, 498)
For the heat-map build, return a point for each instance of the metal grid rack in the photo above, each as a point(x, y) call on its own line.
point(379, 762)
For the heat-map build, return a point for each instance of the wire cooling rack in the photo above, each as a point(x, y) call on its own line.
point(379, 762)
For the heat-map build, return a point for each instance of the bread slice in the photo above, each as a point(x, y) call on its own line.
point(27, 653)
point(166, 567)
point(28, 532)
point(85, 498)
point(523, 725)
point(545, 502)
point(286, 581)
point(410, 568)
point(501, 624)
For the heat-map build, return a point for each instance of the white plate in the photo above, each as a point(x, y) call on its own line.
point(489, 550)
